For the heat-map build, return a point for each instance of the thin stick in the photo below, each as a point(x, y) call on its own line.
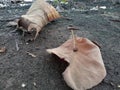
point(74, 41)
point(17, 47)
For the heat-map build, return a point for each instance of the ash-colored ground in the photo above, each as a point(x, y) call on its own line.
point(19, 71)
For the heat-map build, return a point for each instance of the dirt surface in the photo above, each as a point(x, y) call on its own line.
point(20, 71)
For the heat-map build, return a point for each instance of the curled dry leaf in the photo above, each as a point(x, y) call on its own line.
point(2, 49)
point(86, 68)
point(38, 15)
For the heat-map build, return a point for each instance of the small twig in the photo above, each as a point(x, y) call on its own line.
point(115, 20)
point(31, 54)
point(74, 41)
point(73, 28)
point(73, 37)
point(17, 47)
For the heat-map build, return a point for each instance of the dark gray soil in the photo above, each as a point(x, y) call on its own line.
point(44, 72)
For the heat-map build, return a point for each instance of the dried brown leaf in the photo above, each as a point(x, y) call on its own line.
point(86, 68)
point(38, 15)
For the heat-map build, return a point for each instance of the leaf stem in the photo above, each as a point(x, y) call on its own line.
point(74, 41)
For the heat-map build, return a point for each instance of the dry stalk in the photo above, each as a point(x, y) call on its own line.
point(73, 37)
point(74, 41)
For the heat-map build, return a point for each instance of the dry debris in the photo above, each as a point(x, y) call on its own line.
point(118, 86)
point(17, 46)
point(39, 14)
point(86, 68)
point(2, 49)
point(34, 83)
point(12, 23)
point(23, 85)
point(31, 54)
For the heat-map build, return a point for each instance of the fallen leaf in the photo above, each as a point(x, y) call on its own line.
point(2, 49)
point(39, 14)
point(86, 68)
point(31, 54)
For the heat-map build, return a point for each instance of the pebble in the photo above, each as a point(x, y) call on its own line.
point(34, 83)
point(118, 86)
point(23, 85)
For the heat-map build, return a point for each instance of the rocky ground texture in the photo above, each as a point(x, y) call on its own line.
point(20, 71)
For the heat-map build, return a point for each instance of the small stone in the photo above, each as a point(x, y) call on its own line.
point(2, 49)
point(34, 83)
point(27, 43)
point(118, 86)
point(23, 85)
